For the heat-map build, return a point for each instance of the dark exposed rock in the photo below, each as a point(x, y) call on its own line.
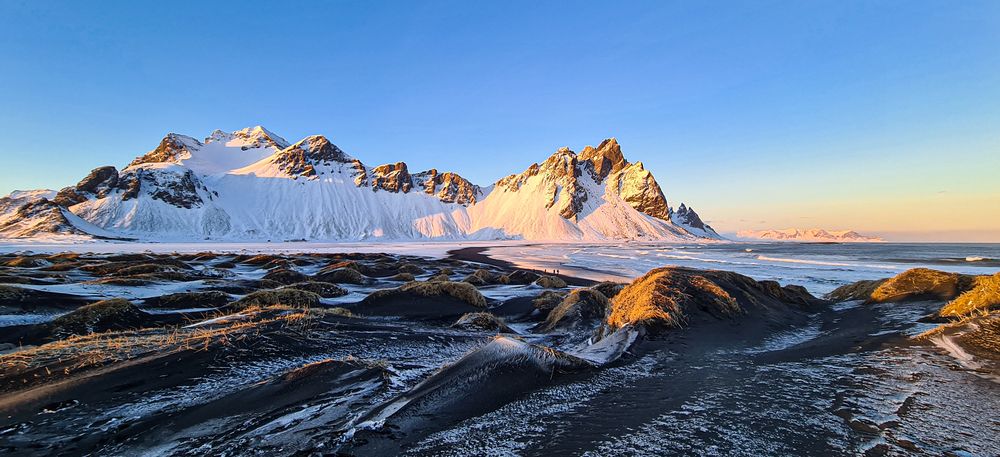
point(171, 149)
point(687, 216)
point(98, 183)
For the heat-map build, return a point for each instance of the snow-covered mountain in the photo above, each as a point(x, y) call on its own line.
point(253, 185)
point(810, 235)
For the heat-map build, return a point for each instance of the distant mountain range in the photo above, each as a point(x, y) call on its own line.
point(253, 185)
point(812, 235)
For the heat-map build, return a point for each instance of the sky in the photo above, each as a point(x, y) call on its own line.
point(882, 117)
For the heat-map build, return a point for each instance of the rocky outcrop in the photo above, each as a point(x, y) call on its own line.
point(637, 186)
point(172, 149)
point(605, 159)
point(392, 177)
point(448, 187)
point(98, 184)
point(562, 187)
point(302, 158)
point(176, 186)
point(686, 217)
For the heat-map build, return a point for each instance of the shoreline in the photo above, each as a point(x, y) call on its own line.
point(476, 254)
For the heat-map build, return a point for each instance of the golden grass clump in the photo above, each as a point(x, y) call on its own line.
point(984, 295)
point(918, 283)
point(663, 296)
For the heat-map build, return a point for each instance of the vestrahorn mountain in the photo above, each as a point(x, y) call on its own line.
point(253, 185)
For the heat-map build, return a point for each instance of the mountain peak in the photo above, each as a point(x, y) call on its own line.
point(173, 148)
point(258, 136)
point(607, 158)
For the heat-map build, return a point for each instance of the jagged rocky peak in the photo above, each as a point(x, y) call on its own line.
point(175, 185)
point(448, 187)
point(687, 216)
point(302, 158)
point(98, 184)
point(639, 189)
point(391, 177)
point(606, 159)
point(173, 148)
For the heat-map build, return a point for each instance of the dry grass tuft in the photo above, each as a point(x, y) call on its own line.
point(984, 295)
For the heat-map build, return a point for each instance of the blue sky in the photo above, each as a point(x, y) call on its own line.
point(879, 116)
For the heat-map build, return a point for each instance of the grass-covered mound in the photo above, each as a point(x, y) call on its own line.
point(674, 297)
point(481, 322)
point(519, 277)
point(209, 299)
point(341, 276)
point(323, 289)
point(548, 300)
point(285, 276)
point(436, 299)
point(581, 308)
point(550, 282)
point(288, 297)
point(910, 285)
point(482, 277)
point(102, 316)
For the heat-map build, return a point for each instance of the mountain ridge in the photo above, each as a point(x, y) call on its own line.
point(252, 184)
point(811, 235)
